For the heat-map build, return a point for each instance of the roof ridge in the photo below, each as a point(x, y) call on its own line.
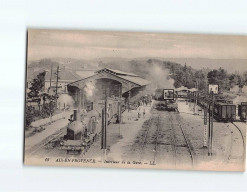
point(74, 74)
point(119, 72)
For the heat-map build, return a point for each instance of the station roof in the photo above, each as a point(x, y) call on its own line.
point(133, 78)
point(85, 73)
point(117, 72)
point(138, 80)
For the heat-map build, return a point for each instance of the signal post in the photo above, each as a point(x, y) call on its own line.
point(213, 89)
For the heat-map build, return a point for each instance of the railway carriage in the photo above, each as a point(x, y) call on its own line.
point(242, 111)
point(182, 94)
point(224, 112)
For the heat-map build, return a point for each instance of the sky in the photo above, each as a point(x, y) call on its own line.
point(99, 44)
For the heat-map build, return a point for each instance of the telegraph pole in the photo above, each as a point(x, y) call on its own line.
point(104, 125)
point(212, 125)
point(129, 98)
point(49, 93)
point(57, 79)
point(57, 84)
point(197, 89)
point(120, 111)
point(79, 98)
point(205, 140)
point(50, 79)
point(195, 96)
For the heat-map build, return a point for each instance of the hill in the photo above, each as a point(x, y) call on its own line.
point(163, 73)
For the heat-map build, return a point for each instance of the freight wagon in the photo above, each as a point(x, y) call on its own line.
point(242, 111)
point(224, 112)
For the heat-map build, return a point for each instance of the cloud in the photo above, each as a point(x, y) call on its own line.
point(93, 44)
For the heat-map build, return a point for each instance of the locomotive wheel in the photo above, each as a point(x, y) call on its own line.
point(79, 151)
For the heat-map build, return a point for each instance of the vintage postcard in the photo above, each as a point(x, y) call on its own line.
point(136, 100)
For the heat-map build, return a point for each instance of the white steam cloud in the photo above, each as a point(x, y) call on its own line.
point(160, 77)
point(65, 100)
point(89, 89)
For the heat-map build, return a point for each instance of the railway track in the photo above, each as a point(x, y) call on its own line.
point(230, 155)
point(187, 142)
point(230, 149)
point(150, 122)
point(242, 137)
point(241, 133)
point(173, 140)
point(157, 133)
point(51, 138)
point(155, 128)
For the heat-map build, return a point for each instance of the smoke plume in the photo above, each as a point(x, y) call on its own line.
point(90, 89)
point(160, 77)
point(65, 100)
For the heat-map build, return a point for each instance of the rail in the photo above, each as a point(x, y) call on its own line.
point(145, 136)
point(186, 141)
point(242, 136)
point(46, 141)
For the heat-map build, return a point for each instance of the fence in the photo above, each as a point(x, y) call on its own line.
point(45, 121)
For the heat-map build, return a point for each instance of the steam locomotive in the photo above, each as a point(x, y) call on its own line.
point(80, 133)
point(85, 126)
point(166, 100)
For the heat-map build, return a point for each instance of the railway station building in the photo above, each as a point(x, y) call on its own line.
point(114, 85)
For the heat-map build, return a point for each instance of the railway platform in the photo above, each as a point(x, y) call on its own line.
point(50, 129)
point(121, 136)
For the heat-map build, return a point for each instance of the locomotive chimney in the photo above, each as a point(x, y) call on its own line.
point(75, 115)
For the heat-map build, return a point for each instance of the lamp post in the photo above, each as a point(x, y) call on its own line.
point(57, 73)
point(119, 119)
point(104, 124)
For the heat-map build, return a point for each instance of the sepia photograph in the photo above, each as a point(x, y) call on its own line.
point(135, 100)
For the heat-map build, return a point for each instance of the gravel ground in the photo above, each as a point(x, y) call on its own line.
point(50, 129)
point(167, 140)
point(227, 142)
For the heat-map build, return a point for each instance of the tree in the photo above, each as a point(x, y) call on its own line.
point(244, 79)
point(201, 78)
point(219, 77)
point(240, 81)
point(29, 117)
point(37, 85)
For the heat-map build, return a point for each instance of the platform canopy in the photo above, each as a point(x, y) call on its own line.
point(182, 89)
point(128, 80)
point(192, 90)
